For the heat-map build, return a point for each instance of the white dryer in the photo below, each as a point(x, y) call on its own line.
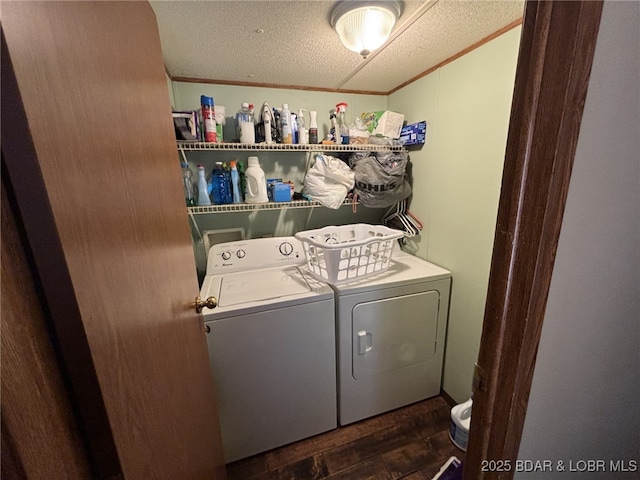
point(391, 337)
point(271, 343)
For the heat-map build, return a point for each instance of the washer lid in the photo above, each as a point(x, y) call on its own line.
point(260, 285)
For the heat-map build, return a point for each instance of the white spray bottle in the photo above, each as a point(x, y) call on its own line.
point(303, 138)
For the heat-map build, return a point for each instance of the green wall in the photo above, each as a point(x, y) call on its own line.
point(456, 176)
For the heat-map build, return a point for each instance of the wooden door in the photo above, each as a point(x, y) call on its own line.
point(88, 144)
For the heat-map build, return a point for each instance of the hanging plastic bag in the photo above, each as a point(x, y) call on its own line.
point(380, 177)
point(328, 181)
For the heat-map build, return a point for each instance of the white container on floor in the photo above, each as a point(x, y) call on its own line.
point(460, 422)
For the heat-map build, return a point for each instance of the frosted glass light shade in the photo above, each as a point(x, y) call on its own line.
point(364, 26)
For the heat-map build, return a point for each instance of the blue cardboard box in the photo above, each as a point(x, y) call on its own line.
point(414, 134)
point(281, 192)
point(270, 183)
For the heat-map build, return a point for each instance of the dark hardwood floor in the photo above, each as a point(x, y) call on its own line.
point(410, 443)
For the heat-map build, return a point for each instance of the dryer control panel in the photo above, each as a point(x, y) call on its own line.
point(254, 254)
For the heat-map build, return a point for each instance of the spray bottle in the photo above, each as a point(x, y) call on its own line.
point(303, 138)
point(342, 130)
point(313, 127)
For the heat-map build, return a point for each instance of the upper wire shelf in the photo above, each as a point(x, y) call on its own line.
point(247, 207)
point(280, 147)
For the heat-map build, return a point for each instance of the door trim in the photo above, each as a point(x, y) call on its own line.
point(556, 54)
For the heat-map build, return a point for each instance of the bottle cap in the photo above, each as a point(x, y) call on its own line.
point(204, 100)
point(245, 105)
point(200, 166)
point(232, 163)
point(253, 161)
point(285, 105)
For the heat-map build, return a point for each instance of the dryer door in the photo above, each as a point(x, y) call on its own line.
point(394, 333)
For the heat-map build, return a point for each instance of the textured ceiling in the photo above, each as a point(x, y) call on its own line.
point(291, 43)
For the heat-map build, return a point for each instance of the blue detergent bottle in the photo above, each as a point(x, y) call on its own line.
point(219, 185)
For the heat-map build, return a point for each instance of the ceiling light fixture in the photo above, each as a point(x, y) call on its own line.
point(364, 26)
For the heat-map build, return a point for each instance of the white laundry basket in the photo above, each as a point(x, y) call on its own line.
point(349, 252)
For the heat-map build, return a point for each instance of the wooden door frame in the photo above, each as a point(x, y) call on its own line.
point(554, 64)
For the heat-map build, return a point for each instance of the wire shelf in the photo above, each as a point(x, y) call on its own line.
point(248, 207)
point(279, 147)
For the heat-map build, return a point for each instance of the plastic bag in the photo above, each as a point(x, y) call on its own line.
point(380, 177)
point(328, 181)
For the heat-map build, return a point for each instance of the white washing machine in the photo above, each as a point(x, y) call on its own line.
point(391, 337)
point(271, 343)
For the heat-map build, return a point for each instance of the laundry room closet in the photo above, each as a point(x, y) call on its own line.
point(93, 196)
point(456, 175)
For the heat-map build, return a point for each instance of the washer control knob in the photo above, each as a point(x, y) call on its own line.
point(286, 248)
point(241, 253)
point(226, 255)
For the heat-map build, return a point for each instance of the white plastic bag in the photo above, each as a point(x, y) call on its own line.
point(328, 181)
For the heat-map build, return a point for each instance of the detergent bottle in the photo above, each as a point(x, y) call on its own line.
point(460, 422)
point(220, 185)
point(256, 183)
